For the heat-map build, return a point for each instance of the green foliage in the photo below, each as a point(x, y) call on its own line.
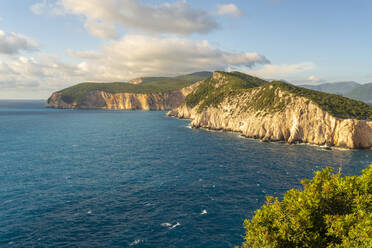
point(267, 100)
point(212, 91)
point(331, 211)
point(149, 85)
point(336, 105)
point(248, 80)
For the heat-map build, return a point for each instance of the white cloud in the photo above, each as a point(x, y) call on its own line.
point(83, 54)
point(101, 29)
point(46, 72)
point(280, 71)
point(102, 16)
point(228, 9)
point(35, 77)
point(138, 55)
point(12, 43)
point(122, 60)
point(47, 7)
point(313, 78)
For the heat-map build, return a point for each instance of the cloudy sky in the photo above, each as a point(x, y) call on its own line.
point(47, 45)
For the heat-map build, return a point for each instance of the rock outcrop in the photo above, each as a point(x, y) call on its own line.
point(301, 120)
point(98, 99)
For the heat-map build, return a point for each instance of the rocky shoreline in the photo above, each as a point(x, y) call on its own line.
point(301, 121)
point(350, 141)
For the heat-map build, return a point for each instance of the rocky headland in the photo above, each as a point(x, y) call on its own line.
point(99, 99)
point(277, 111)
point(146, 93)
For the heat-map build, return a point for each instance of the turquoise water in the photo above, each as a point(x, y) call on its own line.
point(73, 178)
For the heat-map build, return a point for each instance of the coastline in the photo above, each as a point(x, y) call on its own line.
point(241, 135)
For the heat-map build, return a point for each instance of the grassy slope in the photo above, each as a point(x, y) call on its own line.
point(149, 85)
point(209, 95)
point(336, 105)
point(363, 92)
point(266, 99)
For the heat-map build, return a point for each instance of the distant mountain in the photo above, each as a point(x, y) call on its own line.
point(147, 93)
point(350, 89)
point(339, 88)
point(363, 93)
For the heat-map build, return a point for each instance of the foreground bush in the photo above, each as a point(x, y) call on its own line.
point(331, 211)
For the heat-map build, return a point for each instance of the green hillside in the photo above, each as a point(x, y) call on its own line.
point(211, 94)
point(207, 94)
point(363, 93)
point(336, 105)
point(149, 85)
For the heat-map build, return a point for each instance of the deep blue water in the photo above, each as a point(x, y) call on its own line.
point(73, 178)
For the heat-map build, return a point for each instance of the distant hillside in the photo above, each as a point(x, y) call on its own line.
point(363, 93)
point(339, 88)
point(144, 93)
point(75, 93)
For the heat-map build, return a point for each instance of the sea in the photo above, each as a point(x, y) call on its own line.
point(95, 178)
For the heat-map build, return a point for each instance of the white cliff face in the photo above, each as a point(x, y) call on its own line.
point(124, 101)
point(300, 121)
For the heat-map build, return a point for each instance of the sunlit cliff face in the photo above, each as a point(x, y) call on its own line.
point(125, 101)
point(299, 121)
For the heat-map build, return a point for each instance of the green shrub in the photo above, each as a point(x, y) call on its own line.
point(336, 105)
point(211, 93)
point(331, 211)
point(267, 100)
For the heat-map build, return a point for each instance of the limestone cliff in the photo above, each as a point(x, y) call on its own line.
point(98, 99)
point(292, 118)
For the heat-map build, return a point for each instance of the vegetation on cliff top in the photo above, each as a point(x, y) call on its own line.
point(149, 85)
point(336, 105)
point(266, 98)
point(209, 93)
point(331, 211)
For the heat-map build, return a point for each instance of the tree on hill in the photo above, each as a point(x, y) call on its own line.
point(331, 211)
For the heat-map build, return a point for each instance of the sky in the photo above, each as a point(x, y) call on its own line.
point(48, 45)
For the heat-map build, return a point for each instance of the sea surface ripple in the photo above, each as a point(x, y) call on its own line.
point(76, 178)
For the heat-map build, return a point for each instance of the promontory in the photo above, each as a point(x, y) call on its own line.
point(234, 101)
point(277, 111)
point(147, 93)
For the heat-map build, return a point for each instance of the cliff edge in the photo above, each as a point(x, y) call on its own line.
point(277, 111)
point(98, 99)
point(147, 93)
